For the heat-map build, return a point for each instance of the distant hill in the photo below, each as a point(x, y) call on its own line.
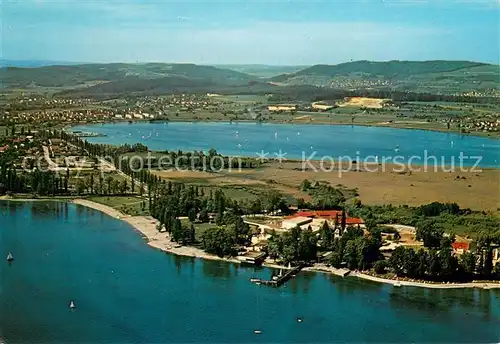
point(443, 76)
point(71, 75)
point(33, 63)
point(262, 71)
point(438, 77)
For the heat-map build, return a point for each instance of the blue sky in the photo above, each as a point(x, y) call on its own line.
point(250, 32)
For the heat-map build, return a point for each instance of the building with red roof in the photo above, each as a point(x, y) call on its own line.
point(460, 247)
point(329, 215)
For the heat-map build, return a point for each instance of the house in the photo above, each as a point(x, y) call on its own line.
point(330, 215)
point(294, 221)
point(496, 255)
point(4, 148)
point(252, 257)
point(460, 247)
point(282, 107)
point(56, 142)
point(322, 107)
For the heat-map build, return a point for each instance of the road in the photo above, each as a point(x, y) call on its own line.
point(52, 165)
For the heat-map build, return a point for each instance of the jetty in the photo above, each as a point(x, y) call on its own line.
point(278, 281)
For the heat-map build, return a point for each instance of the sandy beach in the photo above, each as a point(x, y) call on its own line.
point(400, 283)
point(146, 225)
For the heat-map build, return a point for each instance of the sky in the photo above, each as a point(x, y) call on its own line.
point(270, 32)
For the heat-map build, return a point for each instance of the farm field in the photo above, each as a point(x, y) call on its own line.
point(478, 191)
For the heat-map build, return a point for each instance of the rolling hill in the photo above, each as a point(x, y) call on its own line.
point(438, 77)
point(262, 71)
point(419, 76)
point(67, 76)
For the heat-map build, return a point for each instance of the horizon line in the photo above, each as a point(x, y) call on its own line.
point(56, 62)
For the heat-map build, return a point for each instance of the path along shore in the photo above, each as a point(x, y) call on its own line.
point(146, 225)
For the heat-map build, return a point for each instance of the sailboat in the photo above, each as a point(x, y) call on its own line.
point(257, 331)
point(10, 257)
point(72, 305)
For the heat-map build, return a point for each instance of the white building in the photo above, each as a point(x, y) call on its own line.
point(295, 221)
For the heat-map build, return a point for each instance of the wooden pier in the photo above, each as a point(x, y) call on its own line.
point(279, 280)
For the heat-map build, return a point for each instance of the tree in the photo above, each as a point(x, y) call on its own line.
point(428, 232)
point(496, 271)
point(380, 266)
point(327, 236)
point(123, 186)
point(398, 260)
point(433, 264)
point(351, 254)
point(307, 246)
point(203, 217)
point(177, 232)
point(343, 221)
point(220, 241)
point(336, 259)
point(274, 246)
point(396, 236)
point(192, 234)
point(468, 263)
point(305, 185)
point(192, 214)
point(80, 187)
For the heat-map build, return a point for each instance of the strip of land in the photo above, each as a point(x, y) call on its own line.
point(147, 226)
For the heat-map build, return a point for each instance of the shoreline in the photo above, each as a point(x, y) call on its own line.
point(249, 121)
point(146, 226)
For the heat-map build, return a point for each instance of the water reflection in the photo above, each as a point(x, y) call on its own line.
point(465, 301)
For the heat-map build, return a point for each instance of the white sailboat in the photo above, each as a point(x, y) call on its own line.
point(10, 257)
point(72, 305)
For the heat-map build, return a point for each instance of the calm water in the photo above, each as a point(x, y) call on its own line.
point(356, 142)
point(126, 291)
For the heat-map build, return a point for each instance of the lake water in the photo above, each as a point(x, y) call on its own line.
point(304, 141)
point(128, 292)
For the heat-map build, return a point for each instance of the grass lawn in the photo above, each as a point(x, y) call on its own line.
point(200, 228)
point(242, 98)
point(130, 205)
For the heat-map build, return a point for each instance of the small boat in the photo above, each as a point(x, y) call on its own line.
point(253, 280)
point(10, 257)
point(257, 331)
point(72, 305)
point(299, 320)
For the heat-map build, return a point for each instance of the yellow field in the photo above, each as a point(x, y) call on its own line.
point(478, 191)
point(371, 103)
